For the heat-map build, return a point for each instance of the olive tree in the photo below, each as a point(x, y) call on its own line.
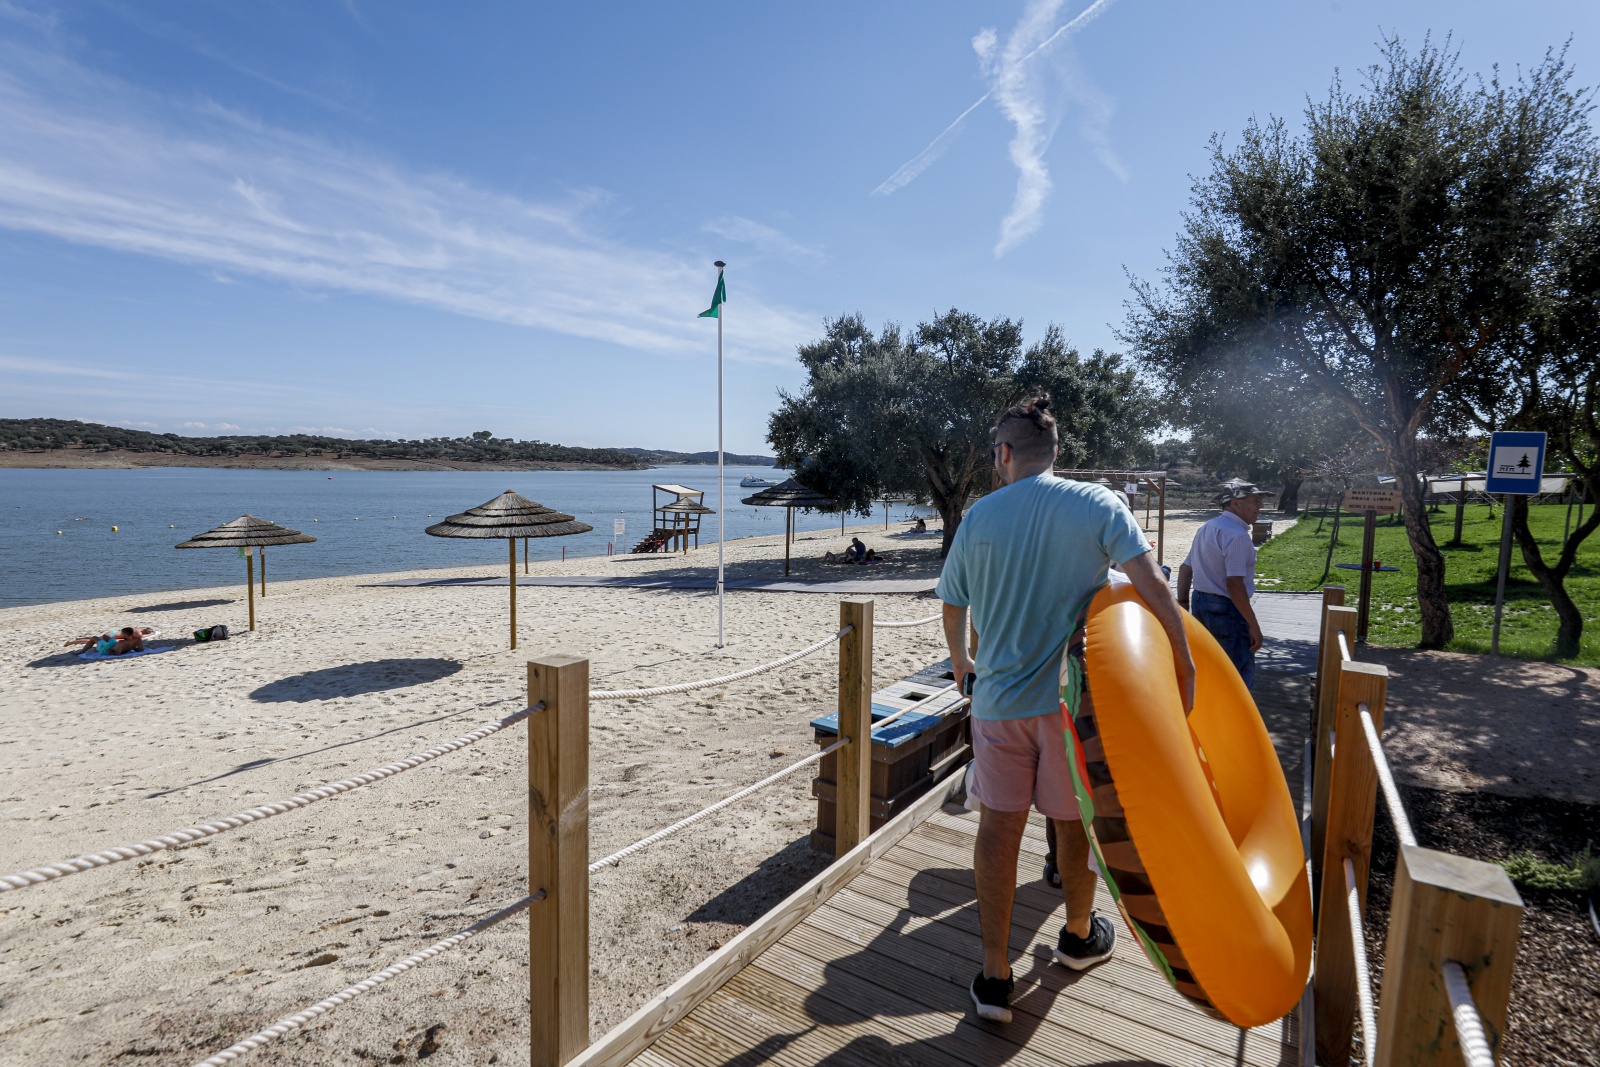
point(1380, 254)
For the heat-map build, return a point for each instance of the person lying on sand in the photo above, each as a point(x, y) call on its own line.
point(126, 639)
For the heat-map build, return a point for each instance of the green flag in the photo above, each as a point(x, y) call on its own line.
point(718, 298)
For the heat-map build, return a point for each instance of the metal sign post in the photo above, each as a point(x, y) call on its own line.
point(1516, 468)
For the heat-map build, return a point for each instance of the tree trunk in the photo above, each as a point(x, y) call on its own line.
point(949, 497)
point(1437, 627)
point(1289, 501)
point(1553, 580)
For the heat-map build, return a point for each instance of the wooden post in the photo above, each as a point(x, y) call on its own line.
point(1332, 597)
point(1352, 800)
point(558, 860)
point(511, 542)
point(1161, 524)
point(1369, 532)
point(1461, 507)
point(1337, 620)
point(250, 583)
point(1444, 908)
point(788, 521)
point(525, 569)
point(854, 788)
point(263, 551)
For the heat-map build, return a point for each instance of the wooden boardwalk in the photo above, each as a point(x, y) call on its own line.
point(878, 974)
point(870, 964)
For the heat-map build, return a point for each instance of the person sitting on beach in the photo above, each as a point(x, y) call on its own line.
point(921, 525)
point(124, 640)
point(857, 552)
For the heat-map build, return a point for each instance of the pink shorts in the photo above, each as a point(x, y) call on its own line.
point(1022, 763)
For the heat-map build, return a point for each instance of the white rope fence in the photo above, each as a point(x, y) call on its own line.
point(344, 996)
point(708, 683)
point(668, 831)
point(935, 617)
point(1358, 944)
point(1469, 1028)
point(37, 875)
point(1391, 792)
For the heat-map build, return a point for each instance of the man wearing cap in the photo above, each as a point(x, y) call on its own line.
point(1221, 570)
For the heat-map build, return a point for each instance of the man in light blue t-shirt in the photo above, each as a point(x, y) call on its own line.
point(1026, 560)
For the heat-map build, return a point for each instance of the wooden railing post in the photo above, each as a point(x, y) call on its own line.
point(1336, 620)
point(854, 788)
point(1444, 908)
point(1332, 597)
point(558, 859)
point(1352, 801)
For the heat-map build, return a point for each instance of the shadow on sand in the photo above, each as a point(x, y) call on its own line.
point(354, 679)
point(179, 605)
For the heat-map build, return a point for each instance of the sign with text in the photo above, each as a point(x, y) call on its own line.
point(1516, 462)
point(618, 528)
point(1383, 501)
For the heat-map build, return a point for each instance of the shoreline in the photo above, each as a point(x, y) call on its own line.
point(127, 459)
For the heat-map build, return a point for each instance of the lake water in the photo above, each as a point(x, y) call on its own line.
point(365, 522)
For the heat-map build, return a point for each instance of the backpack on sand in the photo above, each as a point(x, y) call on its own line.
point(212, 633)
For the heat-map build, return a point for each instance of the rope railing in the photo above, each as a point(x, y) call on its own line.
point(1344, 648)
point(667, 831)
point(1358, 946)
point(190, 834)
point(739, 676)
point(1469, 1027)
point(293, 1022)
point(935, 617)
point(1391, 792)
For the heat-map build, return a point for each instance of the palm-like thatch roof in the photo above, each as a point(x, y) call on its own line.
point(247, 531)
point(790, 494)
point(685, 506)
point(509, 515)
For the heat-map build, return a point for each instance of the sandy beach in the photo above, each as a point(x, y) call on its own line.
point(171, 958)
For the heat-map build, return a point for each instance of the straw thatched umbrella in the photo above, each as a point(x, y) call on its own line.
point(509, 515)
point(686, 506)
point(789, 495)
point(246, 532)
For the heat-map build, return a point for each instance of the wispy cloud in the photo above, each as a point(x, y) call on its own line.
point(764, 238)
point(92, 160)
point(1017, 86)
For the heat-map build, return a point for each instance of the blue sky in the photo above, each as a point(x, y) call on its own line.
point(415, 219)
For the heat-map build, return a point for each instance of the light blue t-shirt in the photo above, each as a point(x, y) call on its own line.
point(1026, 560)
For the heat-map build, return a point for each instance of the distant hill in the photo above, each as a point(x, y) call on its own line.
point(658, 457)
point(57, 435)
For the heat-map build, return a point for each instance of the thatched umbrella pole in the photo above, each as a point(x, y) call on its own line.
point(789, 495)
point(509, 515)
point(247, 532)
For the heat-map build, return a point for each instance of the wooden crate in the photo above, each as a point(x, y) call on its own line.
point(909, 755)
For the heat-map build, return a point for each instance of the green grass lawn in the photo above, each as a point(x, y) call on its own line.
point(1294, 561)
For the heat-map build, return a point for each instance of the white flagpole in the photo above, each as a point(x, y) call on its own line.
point(722, 504)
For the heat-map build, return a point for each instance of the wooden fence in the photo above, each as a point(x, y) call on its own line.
point(1447, 911)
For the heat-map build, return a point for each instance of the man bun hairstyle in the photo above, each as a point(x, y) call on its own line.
point(1029, 429)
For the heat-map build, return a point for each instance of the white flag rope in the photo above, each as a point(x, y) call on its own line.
point(344, 996)
point(24, 879)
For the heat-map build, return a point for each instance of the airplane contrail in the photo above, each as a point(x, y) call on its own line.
point(924, 159)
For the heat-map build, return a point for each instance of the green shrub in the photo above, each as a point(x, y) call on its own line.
point(1582, 874)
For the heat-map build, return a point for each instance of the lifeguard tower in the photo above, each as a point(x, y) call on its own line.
point(677, 510)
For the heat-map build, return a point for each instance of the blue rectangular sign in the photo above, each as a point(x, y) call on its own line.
point(1516, 462)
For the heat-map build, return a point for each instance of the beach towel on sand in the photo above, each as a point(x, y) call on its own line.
point(92, 654)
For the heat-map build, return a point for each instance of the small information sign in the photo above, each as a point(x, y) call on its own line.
point(618, 528)
point(1516, 462)
point(1383, 501)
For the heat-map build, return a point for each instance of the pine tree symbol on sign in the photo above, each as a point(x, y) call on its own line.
point(1526, 462)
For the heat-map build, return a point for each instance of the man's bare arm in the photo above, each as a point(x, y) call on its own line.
point(1185, 583)
point(1241, 600)
point(955, 639)
point(1151, 586)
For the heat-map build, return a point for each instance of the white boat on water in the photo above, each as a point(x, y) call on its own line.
point(754, 482)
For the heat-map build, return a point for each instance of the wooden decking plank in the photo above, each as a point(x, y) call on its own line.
point(723, 1031)
point(652, 1058)
point(1130, 976)
point(938, 1013)
point(1084, 1007)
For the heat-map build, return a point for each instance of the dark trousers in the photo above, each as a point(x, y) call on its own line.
point(1224, 622)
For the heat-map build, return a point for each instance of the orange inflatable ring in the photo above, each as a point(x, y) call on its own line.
point(1191, 824)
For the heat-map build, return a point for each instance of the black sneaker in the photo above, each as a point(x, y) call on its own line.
point(1081, 953)
point(1052, 875)
point(992, 997)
